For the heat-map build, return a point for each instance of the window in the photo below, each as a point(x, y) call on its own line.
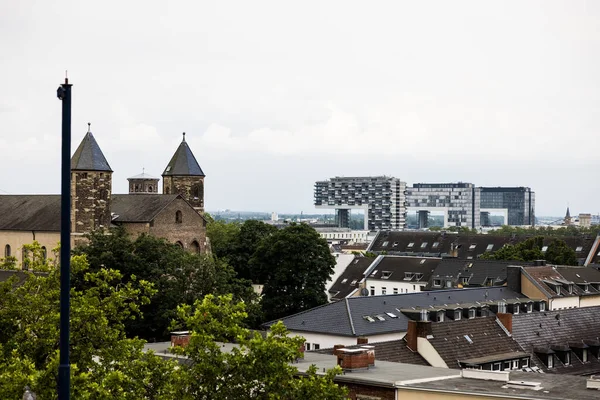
point(386, 274)
point(472, 247)
point(501, 307)
point(496, 366)
point(178, 217)
point(150, 188)
point(422, 261)
point(7, 252)
point(195, 247)
point(584, 355)
point(437, 282)
point(84, 175)
point(384, 244)
point(391, 315)
point(489, 247)
point(464, 280)
point(344, 280)
point(472, 313)
point(550, 361)
point(395, 244)
point(178, 243)
point(524, 362)
point(570, 289)
point(167, 190)
point(383, 290)
point(544, 249)
point(557, 288)
point(408, 276)
point(506, 365)
point(354, 282)
point(423, 245)
point(410, 245)
point(448, 284)
point(372, 290)
point(568, 358)
point(529, 307)
point(542, 306)
point(457, 315)
point(307, 345)
point(579, 248)
point(516, 307)
point(374, 273)
point(316, 346)
point(395, 290)
point(435, 245)
point(369, 318)
point(440, 316)
point(380, 317)
point(418, 276)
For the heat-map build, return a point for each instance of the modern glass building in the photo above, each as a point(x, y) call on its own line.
point(381, 197)
point(517, 203)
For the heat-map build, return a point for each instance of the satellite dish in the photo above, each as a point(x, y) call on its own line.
point(364, 292)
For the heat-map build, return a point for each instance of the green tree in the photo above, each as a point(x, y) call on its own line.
point(250, 236)
point(105, 364)
point(558, 252)
point(256, 368)
point(180, 277)
point(222, 236)
point(296, 263)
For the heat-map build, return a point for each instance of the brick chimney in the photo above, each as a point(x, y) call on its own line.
point(362, 340)
point(336, 347)
point(353, 359)
point(415, 330)
point(180, 338)
point(506, 320)
point(370, 353)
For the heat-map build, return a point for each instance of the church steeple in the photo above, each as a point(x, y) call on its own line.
point(184, 176)
point(91, 185)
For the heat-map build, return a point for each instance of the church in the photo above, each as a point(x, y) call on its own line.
point(176, 214)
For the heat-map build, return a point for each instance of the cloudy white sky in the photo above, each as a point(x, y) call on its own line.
point(275, 95)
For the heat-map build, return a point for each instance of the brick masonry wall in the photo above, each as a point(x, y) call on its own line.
point(191, 229)
point(190, 188)
point(90, 200)
point(360, 392)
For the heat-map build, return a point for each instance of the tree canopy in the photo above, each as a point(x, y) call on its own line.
point(558, 252)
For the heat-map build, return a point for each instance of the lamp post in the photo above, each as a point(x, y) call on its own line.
point(64, 369)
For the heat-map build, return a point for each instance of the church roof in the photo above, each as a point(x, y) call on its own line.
point(183, 162)
point(30, 212)
point(88, 156)
point(136, 208)
point(143, 175)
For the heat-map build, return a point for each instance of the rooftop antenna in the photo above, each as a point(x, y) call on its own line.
point(66, 76)
point(89, 127)
point(184, 136)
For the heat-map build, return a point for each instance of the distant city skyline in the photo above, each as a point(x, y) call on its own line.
point(275, 96)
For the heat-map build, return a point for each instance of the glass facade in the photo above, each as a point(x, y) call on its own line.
point(519, 201)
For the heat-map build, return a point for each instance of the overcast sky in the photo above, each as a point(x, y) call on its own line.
point(274, 95)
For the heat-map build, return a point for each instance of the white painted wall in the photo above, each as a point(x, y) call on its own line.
point(341, 262)
point(352, 236)
point(428, 352)
point(565, 302)
point(389, 285)
point(589, 301)
point(328, 341)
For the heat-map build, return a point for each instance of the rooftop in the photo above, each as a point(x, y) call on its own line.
point(88, 156)
point(183, 162)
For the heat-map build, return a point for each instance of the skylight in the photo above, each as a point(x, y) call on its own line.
point(489, 247)
point(579, 248)
point(472, 247)
point(374, 273)
point(354, 282)
point(468, 339)
point(423, 245)
point(410, 245)
point(435, 245)
point(422, 261)
point(369, 318)
point(384, 244)
point(391, 315)
point(344, 280)
point(380, 317)
point(544, 249)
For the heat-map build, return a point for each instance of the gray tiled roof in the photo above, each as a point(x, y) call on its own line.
point(391, 350)
point(487, 339)
point(346, 317)
point(477, 271)
point(88, 156)
point(559, 328)
point(353, 272)
point(30, 212)
point(139, 208)
point(183, 162)
point(397, 266)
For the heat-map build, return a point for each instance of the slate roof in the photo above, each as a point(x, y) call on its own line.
point(346, 317)
point(136, 208)
point(183, 162)
point(143, 175)
point(478, 272)
point(30, 212)
point(488, 339)
point(470, 246)
point(560, 328)
point(548, 277)
point(88, 156)
point(392, 351)
point(396, 267)
point(354, 272)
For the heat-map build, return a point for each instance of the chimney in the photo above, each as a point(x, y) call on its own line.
point(370, 354)
point(362, 340)
point(353, 359)
point(513, 278)
point(336, 348)
point(411, 335)
point(454, 250)
point(180, 338)
point(506, 320)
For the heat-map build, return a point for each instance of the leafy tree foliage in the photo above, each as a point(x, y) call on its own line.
point(257, 368)
point(296, 263)
point(547, 231)
point(222, 235)
point(180, 277)
point(558, 252)
point(105, 364)
point(250, 236)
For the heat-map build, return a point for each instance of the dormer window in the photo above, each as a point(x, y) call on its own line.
point(567, 358)
point(418, 277)
point(516, 307)
point(386, 274)
point(550, 361)
point(502, 307)
point(570, 287)
point(472, 313)
point(586, 288)
point(437, 282)
point(457, 315)
point(464, 280)
point(529, 307)
point(440, 316)
point(557, 289)
point(448, 283)
point(542, 306)
point(408, 276)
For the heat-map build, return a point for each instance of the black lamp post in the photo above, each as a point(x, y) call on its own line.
point(64, 369)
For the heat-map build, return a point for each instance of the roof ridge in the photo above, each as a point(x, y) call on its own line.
point(350, 316)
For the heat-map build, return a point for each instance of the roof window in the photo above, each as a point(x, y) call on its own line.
point(423, 245)
point(436, 244)
point(472, 247)
point(384, 244)
point(354, 282)
point(410, 245)
point(468, 339)
point(369, 318)
point(380, 317)
point(344, 280)
point(579, 248)
point(544, 249)
point(374, 273)
point(395, 244)
point(422, 261)
point(386, 274)
point(489, 247)
point(391, 315)
point(408, 276)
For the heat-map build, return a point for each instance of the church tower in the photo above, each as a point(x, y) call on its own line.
point(91, 184)
point(143, 184)
point(184, 176)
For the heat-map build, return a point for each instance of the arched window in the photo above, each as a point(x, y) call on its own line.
point(178, 243)
point(195, 247)
point(197, 190)
point(178, 217)
point(7, 252)
point(44, 253)
point(150, 188)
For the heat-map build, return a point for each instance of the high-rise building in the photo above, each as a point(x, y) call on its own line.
point(458, 201)
point(381, 197)
point(516, 203)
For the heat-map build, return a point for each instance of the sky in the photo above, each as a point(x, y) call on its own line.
point(275, 95)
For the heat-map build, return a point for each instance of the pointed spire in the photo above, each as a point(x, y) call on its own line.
point(183, 162)
point(88, 156)
point(568, 213)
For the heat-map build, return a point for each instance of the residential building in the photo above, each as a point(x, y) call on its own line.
point(381, 197)
point(459, 202)
point(517, 204)
point(174, 216)
point(457, 273)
